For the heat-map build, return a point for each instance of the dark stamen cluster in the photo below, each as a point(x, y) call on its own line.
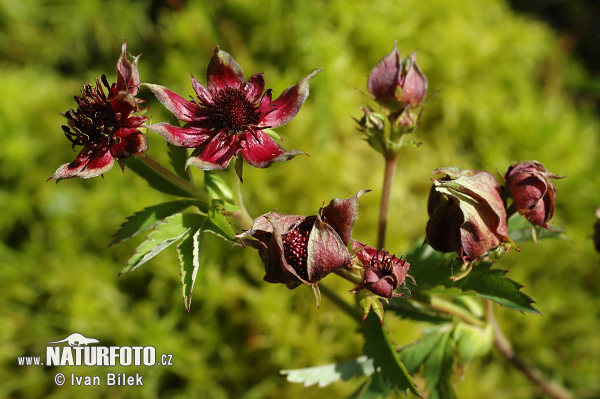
point(231, 111)
point(94, 121)
point(384, 262)
point(295, 246)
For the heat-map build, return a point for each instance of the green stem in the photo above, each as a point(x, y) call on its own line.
point(386, 194)
point(241, 215)
point(350, 310)
point(534, 375)
point(348, 275)
point(181, 183)
point(451, 309)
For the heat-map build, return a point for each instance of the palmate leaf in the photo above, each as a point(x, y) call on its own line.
point(148, 218)
point(520, 230)
point(385, 358)
point(170, 230)
point(373, 388)
point(435, 354)
point(189, 251)
point(432, 270)
point(330, 373)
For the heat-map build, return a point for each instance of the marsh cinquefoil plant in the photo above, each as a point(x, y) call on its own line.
point(474, 217)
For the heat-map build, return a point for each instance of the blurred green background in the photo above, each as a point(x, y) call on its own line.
point(509, 91)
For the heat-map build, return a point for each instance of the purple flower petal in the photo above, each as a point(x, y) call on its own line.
point(187, 137)
point(255, 87)
point(89, 163)
point(287, 105)
point(223, 71)
point(183, 109)
point(217, 153)
point(127, 74)
point(260, 150)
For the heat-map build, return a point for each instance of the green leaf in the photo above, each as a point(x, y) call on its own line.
point(373, 388)
point(217, 187)
point(170, 230)
point(369, 301)
point(434, 353)
point(189, 251)
point(178, 157)
point(218, 225)
point(330, 373)
point(520, 230)
point(385, 358)
point(148, 218)
point(432, 269)
point(472, 341)
point(155, 179)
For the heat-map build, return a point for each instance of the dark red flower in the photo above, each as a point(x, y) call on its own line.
point(528, 183)
point(304, 249)
point(384, 273)
point(231, 116)
point(466, 214)
point(397, 84)
point(103, 123)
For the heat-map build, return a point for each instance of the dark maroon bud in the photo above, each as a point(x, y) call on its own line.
point(534, 195)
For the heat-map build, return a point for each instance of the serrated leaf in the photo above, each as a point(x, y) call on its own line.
point(432, 269)
point(178, 157)
point(217, 187)
point(155, 179)
point(189, 251)
point(373, 388)
point(164, 234)
point(330, 373)
point(148, 218)
point(385, 358)
point(218, 225)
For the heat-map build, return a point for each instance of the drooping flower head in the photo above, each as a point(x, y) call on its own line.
point(103, 123)
point(466, 214)
point(303, 249)
point(528, 183)
point(231, 116)
point(383, 272)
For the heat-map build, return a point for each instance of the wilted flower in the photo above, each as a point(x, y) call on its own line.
point(297, 249)
point(396, 84)
point(383, 272)
point(103, 123)
point(231, 116)
point(467, 214)
point(528, 183)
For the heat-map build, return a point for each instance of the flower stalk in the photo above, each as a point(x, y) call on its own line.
point(386, 195)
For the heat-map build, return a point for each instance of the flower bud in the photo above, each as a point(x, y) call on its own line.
point(534, 195)
point(467, 214)
point(383, 272)
point(396, 84)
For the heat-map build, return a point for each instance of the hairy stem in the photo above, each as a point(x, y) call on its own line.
point(534, 375)
point(450, 308)
point(386, 194)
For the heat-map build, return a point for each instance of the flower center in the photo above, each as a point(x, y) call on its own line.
point(94, 121)
point(231, 111)
point(383, 262)
point(295, 246)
